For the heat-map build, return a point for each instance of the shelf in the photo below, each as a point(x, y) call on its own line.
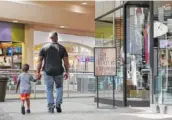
point(17, 53)
point(17, 63)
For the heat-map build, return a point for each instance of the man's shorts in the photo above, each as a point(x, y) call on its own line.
point(24, 96)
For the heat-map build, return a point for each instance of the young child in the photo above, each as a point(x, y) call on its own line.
point(24, 85)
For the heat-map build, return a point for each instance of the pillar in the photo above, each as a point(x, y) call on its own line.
point(28, 47)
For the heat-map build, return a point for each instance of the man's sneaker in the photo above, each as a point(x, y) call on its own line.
point(28, 111)
point(58, 108)
point(23, 110)
point(51, 108)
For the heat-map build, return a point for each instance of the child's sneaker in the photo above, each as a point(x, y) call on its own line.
point(23, 110)
point(28, 111)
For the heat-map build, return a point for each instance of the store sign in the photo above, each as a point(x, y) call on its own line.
point(165, 44)
point(105, 61)
point(85, 59)
point(90, 59)
point(159, 29)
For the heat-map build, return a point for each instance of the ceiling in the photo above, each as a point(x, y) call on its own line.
point(72, 6)
point(56, 3)
point(75, 16)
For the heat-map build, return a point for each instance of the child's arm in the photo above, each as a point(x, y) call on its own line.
point(33, 79)
point(18, 83)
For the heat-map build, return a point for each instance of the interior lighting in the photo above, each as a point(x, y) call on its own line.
point(84, 3)
point(15, 21)
point(62, 26)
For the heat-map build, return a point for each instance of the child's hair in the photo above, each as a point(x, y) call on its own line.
point(163, 55)
point(25, 68)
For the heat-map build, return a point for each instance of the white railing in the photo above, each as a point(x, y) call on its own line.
point(76, 86)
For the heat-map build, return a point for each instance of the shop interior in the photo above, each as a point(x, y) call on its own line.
point(80, 56)
point(10, 55)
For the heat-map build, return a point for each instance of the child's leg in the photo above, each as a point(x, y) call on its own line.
point(22, 102)
point(22, 99)
point(28, 103)
point(22, 106)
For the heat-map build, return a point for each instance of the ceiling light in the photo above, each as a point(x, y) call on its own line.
point(84, 3)
point(62, 26)
point(15, 21)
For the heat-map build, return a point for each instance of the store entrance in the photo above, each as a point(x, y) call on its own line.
point(137, 71)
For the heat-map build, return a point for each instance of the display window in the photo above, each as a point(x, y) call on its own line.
point(11, 55)
point(78, 55)
point(163, 60)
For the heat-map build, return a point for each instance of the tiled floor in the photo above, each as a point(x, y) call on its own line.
point(77, 109)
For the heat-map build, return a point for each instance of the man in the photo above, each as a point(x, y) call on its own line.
point(53, 53)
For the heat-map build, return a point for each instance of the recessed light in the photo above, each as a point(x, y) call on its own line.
point(62, 26)
point(15, 21)
point(84, 3)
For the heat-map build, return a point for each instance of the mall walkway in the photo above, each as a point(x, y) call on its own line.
point(76, 109)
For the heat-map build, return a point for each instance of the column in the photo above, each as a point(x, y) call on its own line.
point(28, 46)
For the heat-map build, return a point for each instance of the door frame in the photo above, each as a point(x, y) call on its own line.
point(148, 4)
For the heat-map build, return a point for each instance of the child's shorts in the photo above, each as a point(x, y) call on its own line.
point(24, 96)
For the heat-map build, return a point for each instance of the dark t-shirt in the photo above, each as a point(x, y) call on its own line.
point(62, 51)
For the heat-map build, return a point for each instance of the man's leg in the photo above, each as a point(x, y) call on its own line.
point(59, 91)
point(49, 87)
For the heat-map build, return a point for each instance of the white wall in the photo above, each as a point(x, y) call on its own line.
point(42, 37)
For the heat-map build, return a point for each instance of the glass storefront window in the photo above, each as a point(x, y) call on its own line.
point(163, 40)
point(103, 7)
point(137, 53)
point(109, 29)
point(78, 55)
point(105, 38)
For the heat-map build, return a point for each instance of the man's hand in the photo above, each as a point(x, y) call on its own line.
point(38, 75)
point(39, 66)
point(66, 76)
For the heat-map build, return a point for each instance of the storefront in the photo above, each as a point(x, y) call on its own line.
point(11, 39)
point(79, 48)
point(80, 56)
point(141, 33)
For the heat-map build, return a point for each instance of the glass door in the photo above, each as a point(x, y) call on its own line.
point(137, 60)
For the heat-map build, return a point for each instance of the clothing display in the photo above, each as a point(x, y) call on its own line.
point(133, 71)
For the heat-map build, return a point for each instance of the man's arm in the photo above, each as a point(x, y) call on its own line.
point(40, 60)
point(66, 64)
point(39, 66)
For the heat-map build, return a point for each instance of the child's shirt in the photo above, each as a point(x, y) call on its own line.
point(25, 80)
